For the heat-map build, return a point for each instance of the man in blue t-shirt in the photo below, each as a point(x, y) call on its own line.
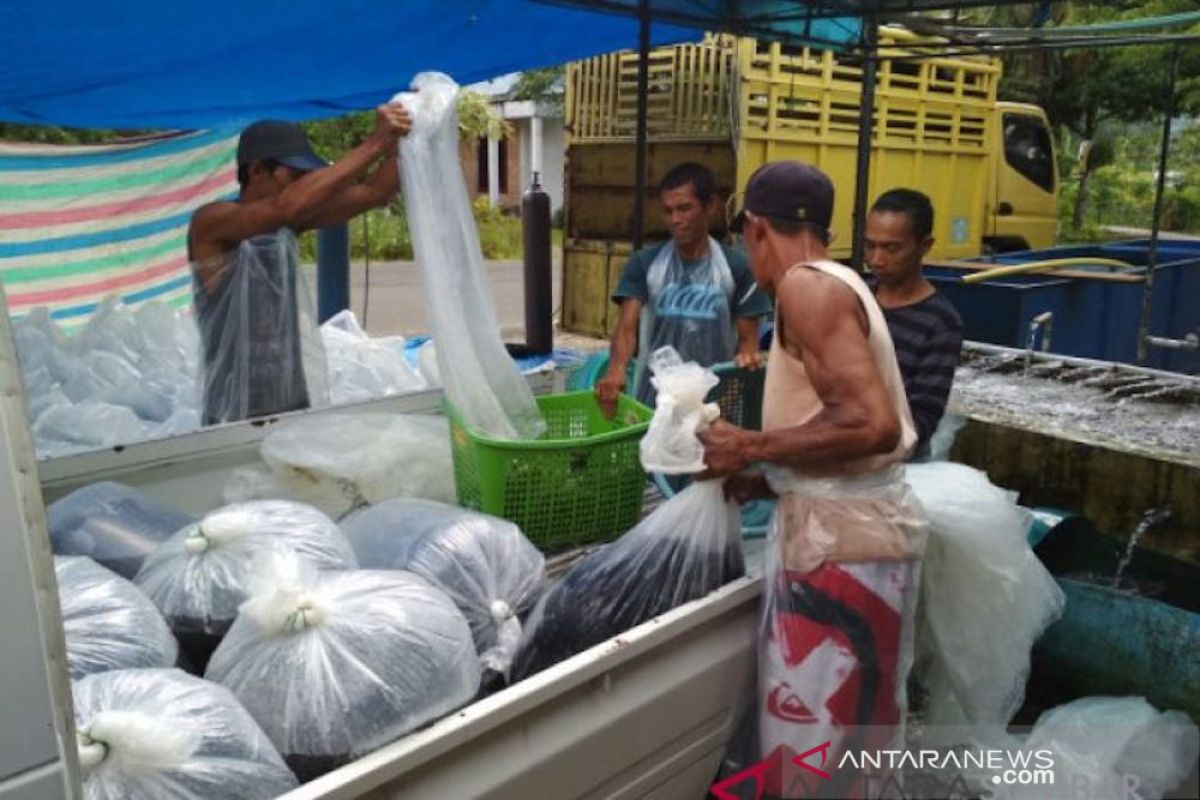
point(689, 292)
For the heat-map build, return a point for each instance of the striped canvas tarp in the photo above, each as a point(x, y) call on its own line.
point(80, 223)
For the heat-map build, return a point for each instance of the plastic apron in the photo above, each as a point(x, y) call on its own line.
point(836, 643)
point(688, 309)
point(262, 348)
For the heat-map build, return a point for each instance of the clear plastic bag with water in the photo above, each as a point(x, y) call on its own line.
point(114, 524)
point(333, 665)
point(107, 622)
point(483, 563)
point(161, 733)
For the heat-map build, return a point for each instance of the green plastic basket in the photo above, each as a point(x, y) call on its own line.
point(581, 482)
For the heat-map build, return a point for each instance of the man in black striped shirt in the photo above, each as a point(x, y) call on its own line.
point(925, 328)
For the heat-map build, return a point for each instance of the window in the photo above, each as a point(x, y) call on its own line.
point(482, 161)
point(1027, 149)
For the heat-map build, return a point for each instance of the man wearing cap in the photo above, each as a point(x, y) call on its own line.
point(845, 543)
point(262, 352)
point(690, 293)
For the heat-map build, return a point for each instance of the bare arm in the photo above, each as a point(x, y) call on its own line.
point(218, 228)
point(376, 192)
point(747, 350)
point(624, 343)
point(823, 325)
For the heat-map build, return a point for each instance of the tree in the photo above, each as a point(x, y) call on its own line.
point(1086, 90)
point(544, 86)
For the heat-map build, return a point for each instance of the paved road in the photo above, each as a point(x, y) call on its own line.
point(396, 306)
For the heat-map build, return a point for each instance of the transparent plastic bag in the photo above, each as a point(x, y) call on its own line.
point(361, 368)
point(336, 664)
point(262, 349)
point(1101, 748)
point(128, 376)
point(483, 563)
point(160, 733)
point(689, 546)
point(670, 445)
point(862, 518)
point(835, 643)
point(341, 461)
point(480, 378)
point(978, 562)
point(108, 623)
point(200, 576)
point(116, 525)
point(87, 425)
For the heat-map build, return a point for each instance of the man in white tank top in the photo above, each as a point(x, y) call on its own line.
point(844, 550)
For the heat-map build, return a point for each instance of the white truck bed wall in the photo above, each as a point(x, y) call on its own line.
point(189, 471)
point(37, 742)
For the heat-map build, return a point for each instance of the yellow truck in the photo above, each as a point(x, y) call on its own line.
point(735, 103)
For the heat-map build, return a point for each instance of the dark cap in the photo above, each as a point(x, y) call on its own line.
point(284, 142)
point(788, 190)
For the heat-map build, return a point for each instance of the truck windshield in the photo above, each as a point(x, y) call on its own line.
point(1027, 149)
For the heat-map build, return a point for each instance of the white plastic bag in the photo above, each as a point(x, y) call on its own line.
point(978, 564)
point(108, 623)
point(481, 380)
point(336, 664)
point(689, 546)
point(361, 368)
point(338, 462)
point(670, 445)
point(200, 576)
point(115, 524)
point(1103, 748)
point(160, 733)
point(483, 563)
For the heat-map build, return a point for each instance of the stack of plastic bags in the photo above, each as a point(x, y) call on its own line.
point(129, 375)
point(201, 575)
point(108, 623)
point(339, 462)
point(362, 368)
point(480, 379)
point(114, 524)
point(483, 563)
point(333, 665)
point(159, 733)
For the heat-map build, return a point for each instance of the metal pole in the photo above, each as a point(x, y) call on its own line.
point(333, 270)
point(866, 124)
point(1152, 257)
point(643, 83)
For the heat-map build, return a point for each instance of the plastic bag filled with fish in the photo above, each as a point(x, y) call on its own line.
point(146, 733)
point(484, 563)
point(114, 524)
point(689, 546)
point(333, 665)
point(200, 576)
point(107, 621)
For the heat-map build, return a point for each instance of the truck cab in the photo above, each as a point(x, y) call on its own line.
point(1023, 194)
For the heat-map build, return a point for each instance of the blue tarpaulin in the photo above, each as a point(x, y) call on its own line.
point(156, 64)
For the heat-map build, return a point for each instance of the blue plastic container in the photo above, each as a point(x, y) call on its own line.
point(1092, 318)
